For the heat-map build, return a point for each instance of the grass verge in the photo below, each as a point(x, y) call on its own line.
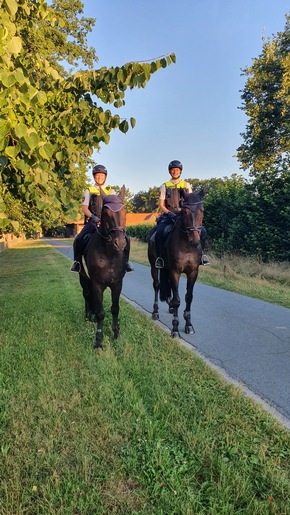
point(265, 281)
point(144, 427)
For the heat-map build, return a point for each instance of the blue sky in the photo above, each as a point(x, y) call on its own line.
point(188, 111)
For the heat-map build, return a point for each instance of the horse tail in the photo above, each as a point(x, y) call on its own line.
point(165, 288)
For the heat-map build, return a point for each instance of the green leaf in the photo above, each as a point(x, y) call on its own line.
point(31, 139)
point(124, 126)
point(15, 225)
point(4, 128)
point(41, 177)
point(12, 151)
point(11, 6)
point(7, 79)
point(132, 122)
point(45, 150)
point(59, 156)
point(21, 130)
point(15, 45)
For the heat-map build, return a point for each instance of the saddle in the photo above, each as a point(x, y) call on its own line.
point(164, 226)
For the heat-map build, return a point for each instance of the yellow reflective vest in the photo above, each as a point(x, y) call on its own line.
point(172, 195)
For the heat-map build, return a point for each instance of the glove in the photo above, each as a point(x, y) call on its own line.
point(94, 219)
point(171, 215)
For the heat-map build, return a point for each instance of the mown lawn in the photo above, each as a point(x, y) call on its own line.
point(143, 427)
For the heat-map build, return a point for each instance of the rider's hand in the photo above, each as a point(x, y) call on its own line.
point(171, 215)
point(94, 219)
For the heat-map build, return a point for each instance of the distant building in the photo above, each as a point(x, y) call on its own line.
point(140, 218)
point(74, 228)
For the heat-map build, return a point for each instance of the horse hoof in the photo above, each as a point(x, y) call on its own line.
point(189, 329)
point(98, 346)
point(171, 310)
point(175, 334)
point(155, 316)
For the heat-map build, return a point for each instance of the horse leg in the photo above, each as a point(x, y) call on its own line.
point(156, 286)
point(87, 294)
point(98, 291)
point(188, 300)
point(115, 296)
point(174, 305)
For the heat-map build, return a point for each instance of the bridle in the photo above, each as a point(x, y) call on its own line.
point(107, 234)
point(192, 207)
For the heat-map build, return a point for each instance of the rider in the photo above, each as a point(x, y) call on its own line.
point(92, 219)
point(170, 205)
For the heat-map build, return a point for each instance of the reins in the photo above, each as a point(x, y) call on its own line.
point(107, 235)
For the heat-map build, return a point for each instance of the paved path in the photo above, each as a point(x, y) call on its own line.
point(247, 340)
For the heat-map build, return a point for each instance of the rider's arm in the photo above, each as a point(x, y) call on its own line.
point(86, 210)
point(162, 207)
point(85, 204)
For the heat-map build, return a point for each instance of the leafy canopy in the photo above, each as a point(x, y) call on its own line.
point(51, 121)
point(266, 102)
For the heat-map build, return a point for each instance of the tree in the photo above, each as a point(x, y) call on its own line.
point(50, 122)
point(266, 102)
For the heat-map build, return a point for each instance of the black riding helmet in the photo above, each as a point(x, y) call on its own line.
point(100, 169)
point(175, 164)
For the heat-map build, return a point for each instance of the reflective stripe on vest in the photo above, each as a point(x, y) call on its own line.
point(96, 190)
point(172, 196)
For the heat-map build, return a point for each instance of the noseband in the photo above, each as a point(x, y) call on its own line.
point(192, 206)
point(107, 234)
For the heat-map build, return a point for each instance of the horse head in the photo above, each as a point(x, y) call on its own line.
point(192, 215)
point(113, 219)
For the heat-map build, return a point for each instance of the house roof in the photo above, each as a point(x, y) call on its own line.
point(131, 219)
point(140, 218)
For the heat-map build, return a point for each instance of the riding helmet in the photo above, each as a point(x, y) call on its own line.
point(175, 164)
point(99, 169)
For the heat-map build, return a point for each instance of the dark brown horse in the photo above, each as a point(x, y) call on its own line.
point(182, 254)
point(103, 264)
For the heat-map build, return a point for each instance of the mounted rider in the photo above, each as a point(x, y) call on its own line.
point(170, 203)
point(92, 204)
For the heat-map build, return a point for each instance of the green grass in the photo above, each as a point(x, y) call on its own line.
point(143, 427)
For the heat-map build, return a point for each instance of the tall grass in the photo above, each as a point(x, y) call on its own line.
point(144, 427)
point(248, 276)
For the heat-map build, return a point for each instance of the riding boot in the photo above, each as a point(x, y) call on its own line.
point(159, 262)
point(204, 259)
point(128, 267)
point(76, 266)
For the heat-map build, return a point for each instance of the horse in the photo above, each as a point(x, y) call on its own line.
point(103, 264)
point(182, 254)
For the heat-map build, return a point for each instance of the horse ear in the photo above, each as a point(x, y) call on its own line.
point(202, 193)
point(122, 192)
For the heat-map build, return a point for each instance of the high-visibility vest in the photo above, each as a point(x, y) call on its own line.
point(96, 201)
point(172, 195)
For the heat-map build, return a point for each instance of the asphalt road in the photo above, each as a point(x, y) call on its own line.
point(247, 340)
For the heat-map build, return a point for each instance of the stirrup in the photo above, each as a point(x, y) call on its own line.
point(76, 267)
point(159, 263)
point(204, 260)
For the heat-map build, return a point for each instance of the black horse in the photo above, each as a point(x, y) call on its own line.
point(103, 264)
point(182, 254)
